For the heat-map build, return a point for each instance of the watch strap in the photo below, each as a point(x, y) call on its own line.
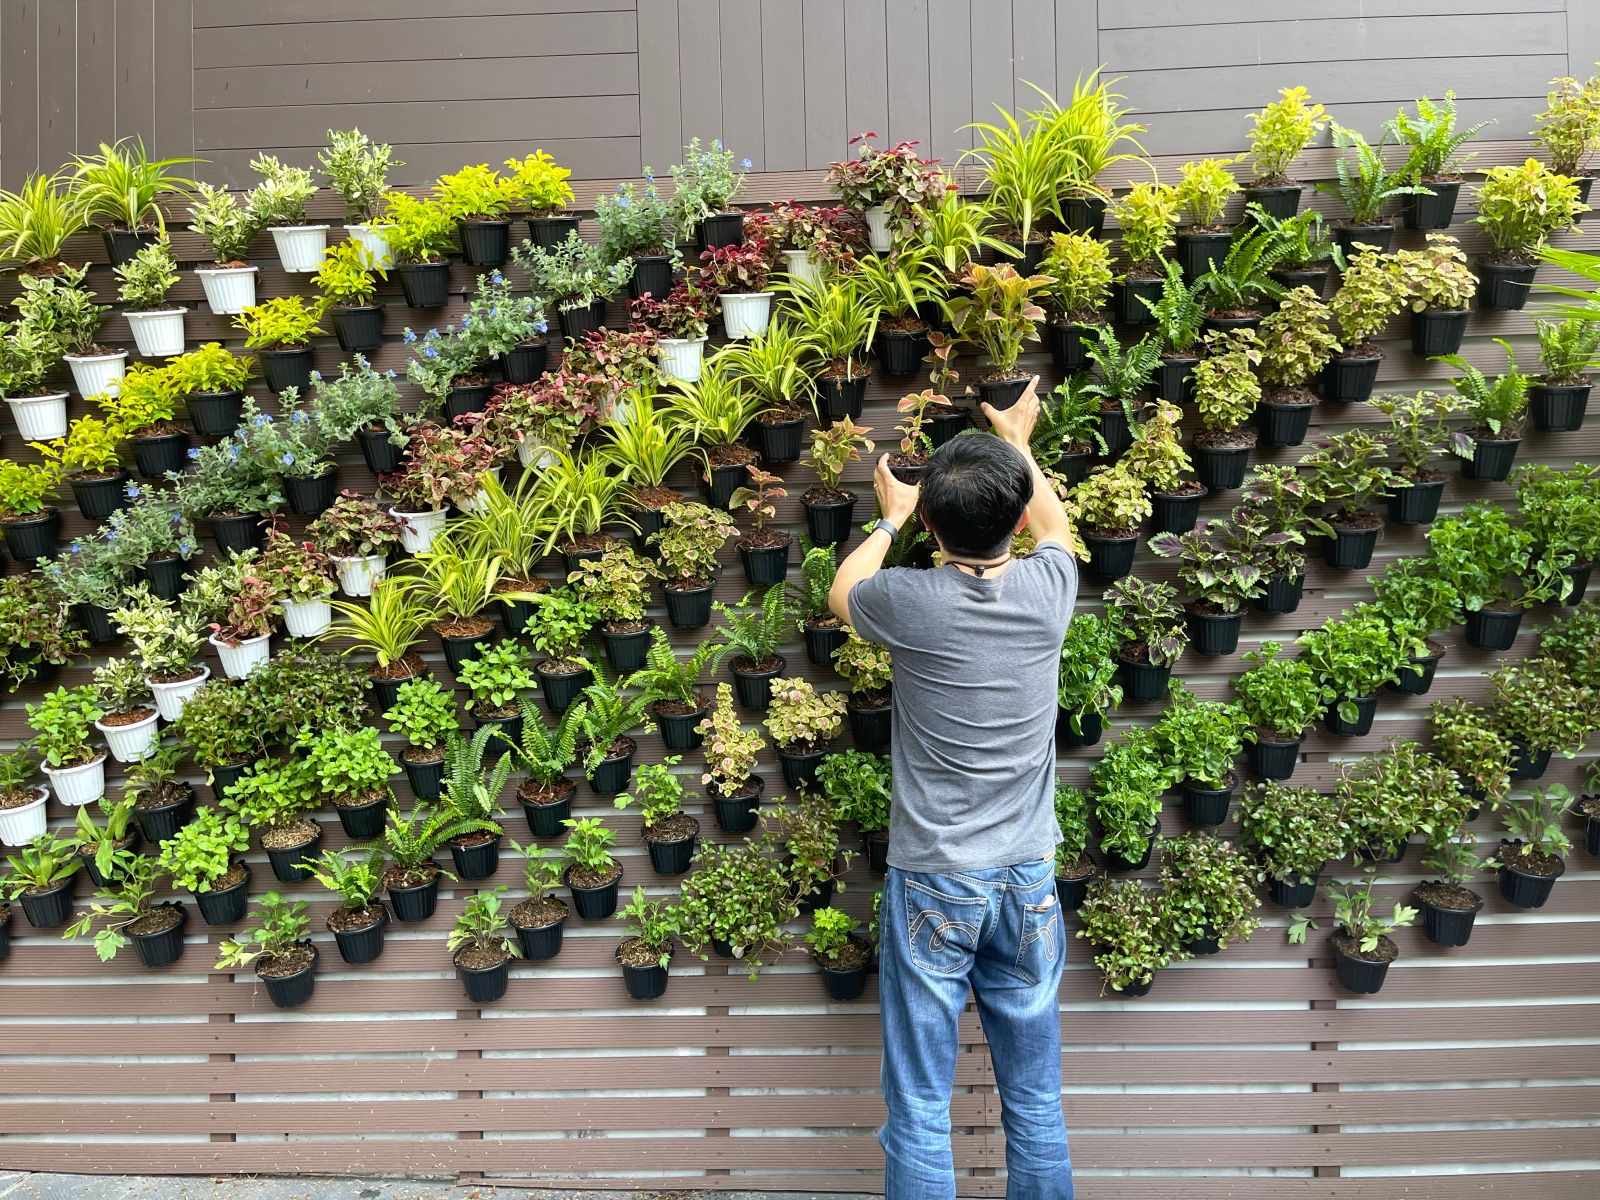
point(888, 528)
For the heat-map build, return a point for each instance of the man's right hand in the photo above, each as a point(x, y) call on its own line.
point(1015, 424)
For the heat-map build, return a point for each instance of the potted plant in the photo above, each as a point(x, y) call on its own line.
point(1363, 943)
point(541, 190)
point(280, 330)
point(738, 902)
point(161, 803)
point(43, 875)
point(1347, 474)
point(212, 382)
point(802, 723)
point(1128, 782)
point(37, 219)
point(669, 832)
point(1210, 891)
point(127, 713)
point(704, 185)
point(146, 279)
point(278, 205)
point(27, 355)
point(1368, 296)
point(1201, 196)
point(1218, 567)
point(412, 877)
point(858, 787)
point(276, 797)
point(478, 198)
point(593, 874)
point(1154, 635)
point(1587, 807)
point(639, 227)
point(351, 768)
point(1540, 710)
point(1519, 207)
point(1559, 397)
point(1146, 213)
point(496, 678)
point(1079, 267)
point(420, 233)
point(1124, 373)
point(1558, 508)
point(1365, 185)
point(227, 227)
point(906, 288)
point(1280, 699)
point(604, 742)
point(60, 308)
point(358, 169)
point(777, 368)
point(61, 722)
point(1354, 656)
point(618, 585)
point(764, 552)
point(1307, 253)
point(1130, 930)
point(680, 322)
point(1072, 424)
point(1292, 832)
point(389, 628)
point(356, 535)
point(1418, 433)
point(301, 576)
point(127, 902)
point(1388, 798)
point(840, 952)
point(869, 669)
point(1088, 689)
point(120, 189)
point(1489, 562)
point(1090, 128)
point(359, 922)
point(1466, 739)
point(22, 814)
point(830, 508)
point(810, 237)
point(1075, 869)
point(143, 411)
point(440, 466)
point(687, 543)
point(470, 793)
point(578, 278)
point(543, 755)
point(1000, 315)
point(201, 857)
point(424, 714)
point(561, 621)
point(347, 280)
point(1198, 740)
point(1279, 132)
point(37, 635)
point(1107, 509)
point(892, 189)
point(1226, 392)
point(1571, 641)
point(1023, 163)
point(1241, 283)
point(731, 757)
point(27, 518)
point(646, 952)
point(1439, 286)
point(1569, 128)
point(284, 957)
point(737, 276)
point(841, 323)
point(753, 632)
point(677, 706)
point(1296, 347)
point(1446, 904)
point(1433, 159)
point(100, 845)
point(1418, 601)
point(480, 948)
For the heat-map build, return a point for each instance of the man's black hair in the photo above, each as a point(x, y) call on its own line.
point(974, 492)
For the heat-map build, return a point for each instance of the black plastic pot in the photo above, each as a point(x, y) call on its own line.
point(157, 824)
point(1528, 764)
point(1174, 513)
point(823, 642)
point(1298, 893)
point(545, 820)
point(1198, 253)
point(838, 398)
point(478, 861)
point(123, 245)
point(1115, 431)
point(1447, 926)
point(1350, 549)
point(576, 323)
point(1282, 594)
point(164, 577)
point(1363, 976)
point(1091, 728)
point(224, 906)
point(386, 692)
point(155, 457)
point(900, 351)
point(1128, 295)
point(526, 363)
point(765, 566)
point(542, 943)
point(1523, 889)
point(1174, 379)
point(1001, 394)
point(1214, 633)
point(845, 985)
point(1503, 287)
point(943, 426)
point(800, 770)
point(1068, 345)
point(611, 776)
point(738, 813)
point(381, 455)
point(286, 866)
point(1558, 409)
point(1071, 893)
point(1489, 629)
point(1073, 466)
point(1417, 503)
point(753, 689)
point(291, 991)
point(561, 689)
point(550, 232)
point(1437, 211)
point(425, 285)
point(778, 442)
point(412, 904)
point(830, 524)
point(485, 243)
point(1025, 257)
point(1437, 331)
point(33, 538)
point(1084, 214)
point(309, 497)
point(678, 730)
point(726, 478)
point(643, 983)
point(596, 903)
point(1366, 710)
point(1283, 424)
point(362, 822)
point(1350, 380)
point(1143, 681)
point(1222, 468)
point(357, 946)
point(97, 499)
point(625, 651)
point(1206, 806)
point(1578, 582)
point(672, 858)
point(689, 608)
point(237, 533)
point(1358, 239)
point(871, 728)
point(460, 650)
point(1281, 202)
point(652, 276)
point(1273, 760)
point(359, 327)
point(1591, 836)
point(1214, 323)
point(1116, 862)
point(96, 622)
point(1491, 460)
point(165, 947)
point(215, 414)
point(1315, 278)
point(52, 908)
point(1416, 677)
point(285, 369)
point(466, 398)
point(1110, 558)
point(721, 229)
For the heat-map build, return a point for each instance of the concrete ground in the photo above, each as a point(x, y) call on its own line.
point(28, 1186)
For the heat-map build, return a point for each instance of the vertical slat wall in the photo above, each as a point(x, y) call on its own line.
point(1475, 1072)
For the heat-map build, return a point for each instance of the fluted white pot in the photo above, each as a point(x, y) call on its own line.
point(358, 574)
point(418, 529)
point(745, 314)
point(878, 235)
point(801, 267)
point(300, 247)
point(374, 240)
point(307, 618)
point(40, 418)
point(98, 374)
point(229, 290)
point(238, 661)
point(20, 825)
point(158, 334)
point(535, 456)
point(682, 358)
point(171, 697)
point(79, 785)
point(131, 743)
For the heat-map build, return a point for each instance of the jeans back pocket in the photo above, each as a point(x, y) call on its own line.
point(942, 931)
point(1042, 941)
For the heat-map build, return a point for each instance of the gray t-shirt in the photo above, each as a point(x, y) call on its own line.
point(976, 668)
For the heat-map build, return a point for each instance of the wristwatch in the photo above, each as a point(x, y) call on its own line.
point(880, 523)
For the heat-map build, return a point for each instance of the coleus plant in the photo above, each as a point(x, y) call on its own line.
point(1151, 616)
point(1218, 563)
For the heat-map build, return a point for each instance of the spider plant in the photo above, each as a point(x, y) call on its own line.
point(841, 319)
point(36, 221)
point(388, 626)
point(578, 498)
point(775, 366)
point(119, 187)
point(900, 283)
point(512, 526)
point(649, 444)
point(1024, 163)
point(1091, 127)
point(716, 410)
point(457, 579)
point(955, 233)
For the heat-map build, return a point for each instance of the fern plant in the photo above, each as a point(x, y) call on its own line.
point(1568, 348)
point(470, 789)
point(1124, 371)
point(817, 571)
point(544, 753)
point(413, 840)
point(755, 632)
point(1365, 183)
point(1496, 408)
point(611, 713)
point(668, 678)
point(354, 877)
point(1243, 279)
point(1178, 313)
point(1431, 139)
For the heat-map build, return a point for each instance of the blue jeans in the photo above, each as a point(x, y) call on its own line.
point(999, 931)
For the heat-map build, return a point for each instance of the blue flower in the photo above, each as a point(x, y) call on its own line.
point(745, 163)
point(132, 491)
point(261, 419)
point(716, 143)
point(176, 517)
point(110, 535)
point(466, 319)
point(497, 277)
point(74, 549)
point(408, 336)
point(430, 352)
point(299, 418)
point(390, 374)
point(185, 549)
point(316, 377)
point(649, 174)
point(541, 325)
point(287, 459)
point(495, 311)
point(194, 453)
point(623, 201)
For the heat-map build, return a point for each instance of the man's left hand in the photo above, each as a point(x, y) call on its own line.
point(897, 502)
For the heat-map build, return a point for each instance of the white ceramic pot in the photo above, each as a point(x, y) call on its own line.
point(98, 374)
point(158, 334)
point(535, 456)
point(418, 529)
point(131, 743)
point(357, 575)
point(307, 618)
point(374, 240)
point(171, 697)
point(238, 661)
point(229, 290)
point(80, 785)
point(878, 235)
point(745, 314)
point(40, 418)
point(20, 825)
point(801, 267)
point(300, 247)
point(682, 358)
